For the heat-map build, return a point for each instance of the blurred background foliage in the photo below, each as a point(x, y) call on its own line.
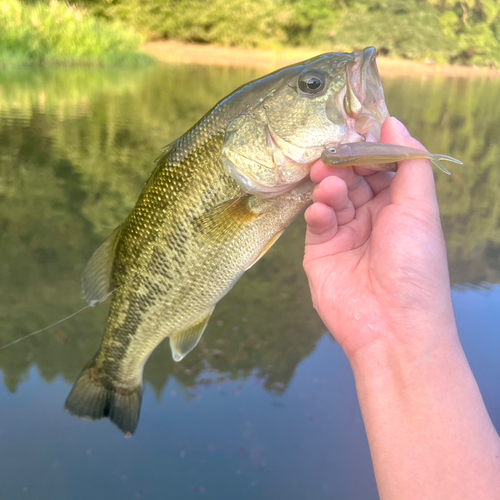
point(105, 31)
point(77, 144)
point(465, 32)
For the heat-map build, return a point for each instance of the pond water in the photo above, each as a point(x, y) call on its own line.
point(265, 406)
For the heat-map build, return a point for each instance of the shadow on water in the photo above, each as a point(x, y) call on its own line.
point(76, 147)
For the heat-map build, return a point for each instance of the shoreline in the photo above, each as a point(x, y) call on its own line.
point(174, 52)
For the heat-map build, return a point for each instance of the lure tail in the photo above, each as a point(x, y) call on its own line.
point(436, 161)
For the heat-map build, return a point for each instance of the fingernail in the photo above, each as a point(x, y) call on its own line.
point(400, 129)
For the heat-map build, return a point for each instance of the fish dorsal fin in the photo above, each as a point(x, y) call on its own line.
point(96, 277)
point(226, 218)
point(186, 340)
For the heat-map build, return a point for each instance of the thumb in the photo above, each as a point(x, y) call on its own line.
point(413, 185)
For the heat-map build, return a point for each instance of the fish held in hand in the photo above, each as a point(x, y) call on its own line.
point(381, 156)
point(218, 199)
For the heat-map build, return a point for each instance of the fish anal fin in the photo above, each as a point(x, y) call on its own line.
point(186, 340)
point(96, 277)
point(263, 252)
point(91, 399)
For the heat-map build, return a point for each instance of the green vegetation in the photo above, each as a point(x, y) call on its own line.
point(465, 31)
point(93, 31)
point(56, 33)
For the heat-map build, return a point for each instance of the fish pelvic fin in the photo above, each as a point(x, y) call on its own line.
point(92, 399)
point(181, 343)
point(96, 277)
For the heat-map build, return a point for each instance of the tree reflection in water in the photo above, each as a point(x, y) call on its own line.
point(75, 149)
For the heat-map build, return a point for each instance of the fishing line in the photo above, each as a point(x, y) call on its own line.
point(44, 328)
point(70, 316)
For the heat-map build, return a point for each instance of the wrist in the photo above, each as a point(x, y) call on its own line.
point(394, 356)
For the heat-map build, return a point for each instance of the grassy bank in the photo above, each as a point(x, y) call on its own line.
point(56, 33)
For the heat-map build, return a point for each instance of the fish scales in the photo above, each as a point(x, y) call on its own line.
point(169, 236)
point(208, 212)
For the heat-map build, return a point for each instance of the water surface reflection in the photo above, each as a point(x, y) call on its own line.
point(255, 401)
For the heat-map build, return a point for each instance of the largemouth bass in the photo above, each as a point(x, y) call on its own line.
point(379, 155)
point(218, 199)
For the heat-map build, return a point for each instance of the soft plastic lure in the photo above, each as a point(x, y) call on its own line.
point(381, 156)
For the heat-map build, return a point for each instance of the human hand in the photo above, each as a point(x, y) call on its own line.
point(375, 254)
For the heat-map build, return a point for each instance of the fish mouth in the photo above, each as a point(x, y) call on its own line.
point(363, 101)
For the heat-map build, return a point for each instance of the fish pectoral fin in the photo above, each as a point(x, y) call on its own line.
point(186, 340)
point(226, 218)
point(96, 277)
point(263, 252)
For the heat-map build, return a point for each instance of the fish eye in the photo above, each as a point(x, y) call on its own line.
point(312, 82)
point(332, 150)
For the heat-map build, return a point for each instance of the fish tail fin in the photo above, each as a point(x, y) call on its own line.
point(92, 399)
point(436, 160)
